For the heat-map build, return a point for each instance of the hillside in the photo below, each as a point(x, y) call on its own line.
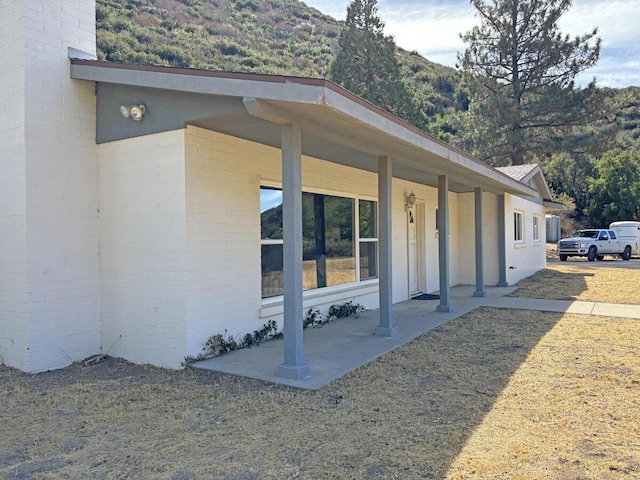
point(284, 37)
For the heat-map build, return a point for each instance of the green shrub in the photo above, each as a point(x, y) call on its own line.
point(220, 344)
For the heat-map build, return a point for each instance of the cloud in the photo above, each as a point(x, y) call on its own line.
point(433, 29)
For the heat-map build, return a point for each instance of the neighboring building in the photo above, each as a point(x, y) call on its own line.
point(131, 201)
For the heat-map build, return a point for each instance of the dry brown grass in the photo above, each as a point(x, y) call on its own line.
point(584, 281)
point(493, 394)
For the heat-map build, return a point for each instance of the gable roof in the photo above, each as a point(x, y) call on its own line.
point(531, 174)
point(518, 172)
point(337, 125)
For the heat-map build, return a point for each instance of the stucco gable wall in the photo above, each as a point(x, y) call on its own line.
point(143, 248)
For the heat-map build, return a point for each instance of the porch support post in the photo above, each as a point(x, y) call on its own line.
point(502, 242)
point(480, 292)
point(294, 366)
point(443, 243)
point(385, 292)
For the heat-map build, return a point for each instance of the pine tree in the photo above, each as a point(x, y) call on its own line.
point(521, 72)
point(366, 63)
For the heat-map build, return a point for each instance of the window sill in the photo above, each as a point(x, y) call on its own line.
point(329, 295)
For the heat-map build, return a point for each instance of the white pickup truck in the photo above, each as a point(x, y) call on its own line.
point(593, 243)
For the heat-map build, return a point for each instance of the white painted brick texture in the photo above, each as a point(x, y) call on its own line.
point(53, 200)
point(526, 258)
point(143, 248)
point(224, 175)
point(14, 328)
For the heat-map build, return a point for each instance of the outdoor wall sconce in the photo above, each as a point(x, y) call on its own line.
point(134, 111)
point(411, 200)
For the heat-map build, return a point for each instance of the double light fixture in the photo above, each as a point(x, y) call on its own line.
point(134, 111)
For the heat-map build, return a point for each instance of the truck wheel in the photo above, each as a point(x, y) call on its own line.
point(591, 256)
point(626, 255)
point(600, 258)
point(563, 257)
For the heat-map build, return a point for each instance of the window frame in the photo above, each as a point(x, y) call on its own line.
point(357, 239)
point(536, 228)
point(518, 226)
point(360, 240)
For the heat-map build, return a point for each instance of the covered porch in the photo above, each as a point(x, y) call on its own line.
point(313, 118)
point(340, 347)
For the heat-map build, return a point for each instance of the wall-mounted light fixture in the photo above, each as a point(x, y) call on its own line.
point(134, 111)
point(411, 200)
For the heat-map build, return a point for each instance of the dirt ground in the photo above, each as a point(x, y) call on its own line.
point(494, 394)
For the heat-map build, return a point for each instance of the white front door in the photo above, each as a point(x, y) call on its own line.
point(416, 250)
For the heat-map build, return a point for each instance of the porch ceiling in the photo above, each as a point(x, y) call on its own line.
point(334, 145)
point(337, 126)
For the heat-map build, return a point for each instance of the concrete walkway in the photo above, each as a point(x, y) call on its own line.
point(568, 306)
point(342, 346)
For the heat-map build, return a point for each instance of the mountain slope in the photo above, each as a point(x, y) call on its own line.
point(284, 37)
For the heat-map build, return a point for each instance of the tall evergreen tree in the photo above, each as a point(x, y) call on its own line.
point(521, 72)
point(366, 63)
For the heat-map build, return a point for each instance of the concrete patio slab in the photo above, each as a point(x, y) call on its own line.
point(342, 346)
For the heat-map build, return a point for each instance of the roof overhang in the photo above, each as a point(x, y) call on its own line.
point(553, 206)
point(336, 125)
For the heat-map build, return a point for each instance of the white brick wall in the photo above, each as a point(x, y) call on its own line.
point(14, 331)
point(456, 246)
point(143, 248)
point(526, 258)
point(467, 236)
point(180, 237)
point(466, 215)
point(51, 205)
point(428, 196)
point(223, 176)
point(491, 235)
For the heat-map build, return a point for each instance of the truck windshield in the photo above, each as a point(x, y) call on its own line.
point(587, 233)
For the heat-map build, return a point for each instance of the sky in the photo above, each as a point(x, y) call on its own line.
point(433, 28)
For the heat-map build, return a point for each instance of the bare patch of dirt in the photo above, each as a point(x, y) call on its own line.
point(493, 394)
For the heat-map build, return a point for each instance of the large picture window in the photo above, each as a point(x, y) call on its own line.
point(330, 235)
